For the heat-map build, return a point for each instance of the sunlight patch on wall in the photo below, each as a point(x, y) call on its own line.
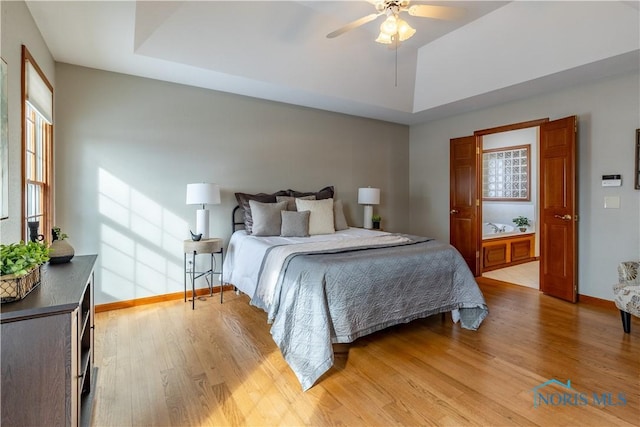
point(117, 264)
point(141, 245)
point(113, 198)
point(174, 230)
point(146, 218)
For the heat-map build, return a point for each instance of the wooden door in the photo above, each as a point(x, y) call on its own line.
point(557, 192)
point(464, 203)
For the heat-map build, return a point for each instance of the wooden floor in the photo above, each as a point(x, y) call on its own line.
point(165, 364)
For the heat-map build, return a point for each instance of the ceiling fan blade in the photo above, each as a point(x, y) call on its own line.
point(355, 24)
point(436, 12)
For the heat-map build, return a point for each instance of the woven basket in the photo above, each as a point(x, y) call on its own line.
point(15, 288)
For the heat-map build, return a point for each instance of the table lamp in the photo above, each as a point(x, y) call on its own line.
point(368, 197)
point(203, 194)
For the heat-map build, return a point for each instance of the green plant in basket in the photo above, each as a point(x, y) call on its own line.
point(19, 258)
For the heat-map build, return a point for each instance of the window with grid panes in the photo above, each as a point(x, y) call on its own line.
point(37, 143)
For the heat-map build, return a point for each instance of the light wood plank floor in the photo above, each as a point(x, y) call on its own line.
point(165, 364)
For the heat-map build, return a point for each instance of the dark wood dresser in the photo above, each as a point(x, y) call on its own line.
point(47, 349)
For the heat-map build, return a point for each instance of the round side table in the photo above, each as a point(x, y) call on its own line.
point(210, 246)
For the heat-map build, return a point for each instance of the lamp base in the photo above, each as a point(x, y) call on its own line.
point(368, 213)
point(202, 223)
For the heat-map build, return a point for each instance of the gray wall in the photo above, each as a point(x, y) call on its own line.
point(18, 28)
point(126, 147)
point(608, 114)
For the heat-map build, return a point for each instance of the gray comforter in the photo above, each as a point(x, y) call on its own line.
point(337, 296)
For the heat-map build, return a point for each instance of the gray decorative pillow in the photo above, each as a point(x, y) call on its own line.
point(291, 201)
point(295, 224)
point(324, 193)
point(266, 218)
point(339, 219)
point(243, 202)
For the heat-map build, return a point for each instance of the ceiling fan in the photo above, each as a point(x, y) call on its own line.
point(394, 28)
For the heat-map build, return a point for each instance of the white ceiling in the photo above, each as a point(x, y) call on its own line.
point(277, 50)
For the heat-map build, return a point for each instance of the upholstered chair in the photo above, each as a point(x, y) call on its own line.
point(627, 292)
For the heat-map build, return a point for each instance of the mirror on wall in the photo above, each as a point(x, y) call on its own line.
point(506, 173)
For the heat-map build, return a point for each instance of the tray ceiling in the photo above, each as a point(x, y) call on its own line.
point(277, 50)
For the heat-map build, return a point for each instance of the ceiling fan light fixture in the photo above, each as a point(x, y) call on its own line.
point(405, 31)
point(389, 26)
point(393, 27)
point(384, 38)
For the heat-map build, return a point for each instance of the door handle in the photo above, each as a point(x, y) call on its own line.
point(563, 217)
point(453, 211)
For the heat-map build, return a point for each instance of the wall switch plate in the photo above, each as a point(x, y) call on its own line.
point(612, 202)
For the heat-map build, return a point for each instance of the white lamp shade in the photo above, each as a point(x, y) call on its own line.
point(369, 196)
point(203, 194)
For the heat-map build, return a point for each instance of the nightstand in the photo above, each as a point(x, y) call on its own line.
point(205, 246)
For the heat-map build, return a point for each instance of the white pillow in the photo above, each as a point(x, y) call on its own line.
point(321, 216)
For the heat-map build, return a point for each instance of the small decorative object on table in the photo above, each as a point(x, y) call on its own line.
point(20, 269)
point(60, 250)
point(375, 221)
point(195, 237)
point(522, 222)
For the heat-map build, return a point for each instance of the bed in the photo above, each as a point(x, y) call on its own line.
point(328, 288)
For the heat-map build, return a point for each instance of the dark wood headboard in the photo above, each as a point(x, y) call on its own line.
point(237, 219)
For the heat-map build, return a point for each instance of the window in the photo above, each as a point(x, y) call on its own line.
point(505, 174)
point(37, 142)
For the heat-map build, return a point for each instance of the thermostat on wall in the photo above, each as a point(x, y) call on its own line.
point(611, 180)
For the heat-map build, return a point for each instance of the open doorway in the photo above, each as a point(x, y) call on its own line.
point(510, 245)
point(556, 214)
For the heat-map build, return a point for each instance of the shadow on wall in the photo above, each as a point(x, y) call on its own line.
point(140, 244)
